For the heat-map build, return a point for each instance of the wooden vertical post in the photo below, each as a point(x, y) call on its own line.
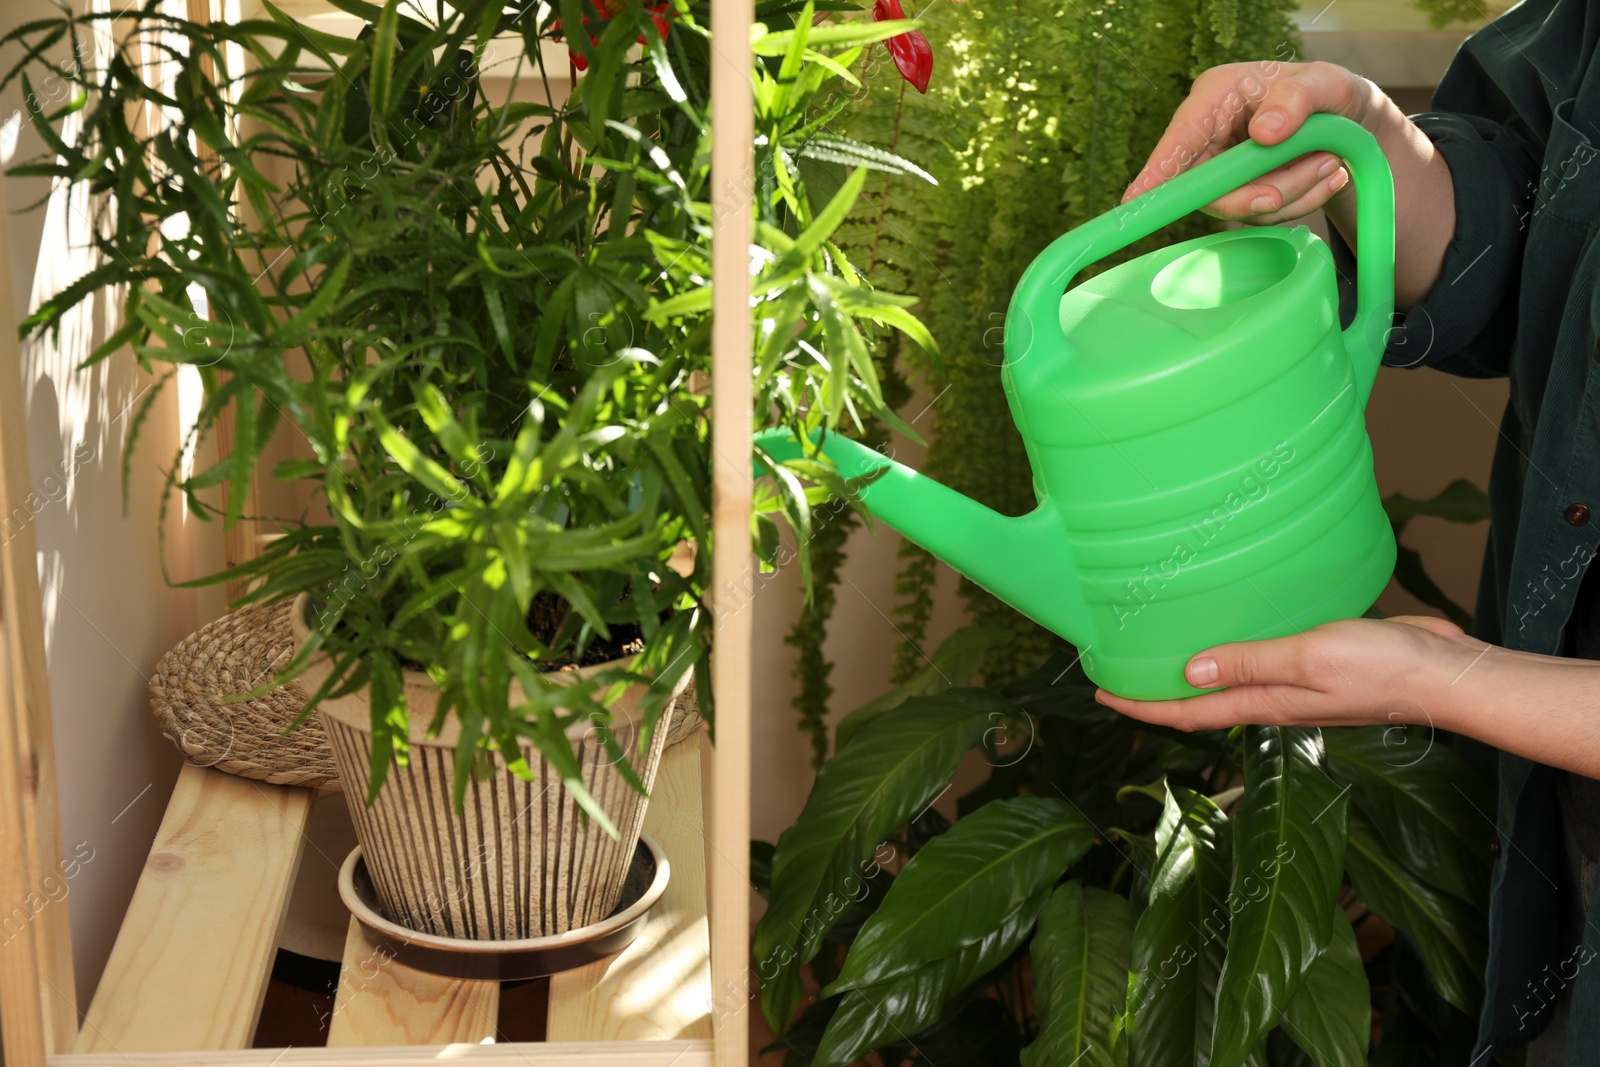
point(38, 1003)
point(238, 543)
point(732, 169)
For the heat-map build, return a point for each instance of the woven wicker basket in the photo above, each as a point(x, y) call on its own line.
point(235, 654)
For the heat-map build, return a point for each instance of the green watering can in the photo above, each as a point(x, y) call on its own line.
point(1194, 421)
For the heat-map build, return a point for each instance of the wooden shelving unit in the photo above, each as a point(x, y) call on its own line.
point(189, 970)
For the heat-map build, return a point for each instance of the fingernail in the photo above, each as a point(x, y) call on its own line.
point(1336, 182)
point(1328, 168)
point(1261, 204)
point(1202, 672)
point(1270, 121)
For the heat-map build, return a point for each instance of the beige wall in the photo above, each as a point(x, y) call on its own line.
point(108, 613)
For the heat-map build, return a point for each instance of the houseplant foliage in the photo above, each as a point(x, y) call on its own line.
point(484, 319)
point(1116, 893)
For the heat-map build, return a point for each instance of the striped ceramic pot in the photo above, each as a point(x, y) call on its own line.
point(518, 861)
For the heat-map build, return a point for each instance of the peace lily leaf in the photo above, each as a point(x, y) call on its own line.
point(1289, 834)
point(962, 884)
point(896, 1009)
point(1426, 801)
point(1452, 935)
point(889, 772)
point(1178, 942)
point(1080, 977)
point(1330, 1018)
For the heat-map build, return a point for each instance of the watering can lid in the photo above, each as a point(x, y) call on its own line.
point(1144, 336)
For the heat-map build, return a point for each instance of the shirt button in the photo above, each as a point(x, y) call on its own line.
point(1578, 514)
point(1494, 848)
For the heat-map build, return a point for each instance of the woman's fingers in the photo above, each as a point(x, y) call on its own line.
point(1309, 88)
point(1277, 195)
point(1289, 661)
point(1236, 101)
point(1210, 119)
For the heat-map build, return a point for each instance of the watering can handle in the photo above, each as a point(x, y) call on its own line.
point(1038, 295)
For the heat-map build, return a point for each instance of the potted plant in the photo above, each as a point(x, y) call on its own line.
point(486, 318)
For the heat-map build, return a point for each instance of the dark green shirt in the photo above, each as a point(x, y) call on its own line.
point(1517, 117)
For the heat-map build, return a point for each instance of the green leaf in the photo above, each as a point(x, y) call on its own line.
point(951, 666)
point(1289, 843)
point(963, 883)
point(1330, 1018)
point(830, 34)
point(383, 50)
point(891, 770)
point(1428, 803)
point(897, 1009)
point(828, 219)
point(1080, 977)
point(293, 332)
point(833, 149)
point(1451, 934)
point(1178, 942)
point(413, 462)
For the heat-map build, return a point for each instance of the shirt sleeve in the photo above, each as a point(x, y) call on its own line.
point(1491, 121)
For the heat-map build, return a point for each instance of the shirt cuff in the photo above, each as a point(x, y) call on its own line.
point(1482, 264)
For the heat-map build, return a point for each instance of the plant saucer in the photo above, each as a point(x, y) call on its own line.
point(532, 957)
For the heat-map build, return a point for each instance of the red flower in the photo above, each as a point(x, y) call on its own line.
point(659, 13)
point(913, 56)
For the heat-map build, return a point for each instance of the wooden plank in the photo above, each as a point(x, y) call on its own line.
point(511, 1054)
point(733, 185)
point(660, 985)
point(191, 962)
point(38, 1003)
point(381, 1001)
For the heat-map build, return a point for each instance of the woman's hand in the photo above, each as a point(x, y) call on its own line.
point(1351, 673)
point(1408, 669)
point(1264, 102)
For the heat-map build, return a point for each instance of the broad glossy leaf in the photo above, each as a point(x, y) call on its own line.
point(896, 1009)
point(1330, 1018)
point(1179, 940)
point(1427, 802)
point(1080, 977)
point(1288, 864)
point(890, 771)
point(1451, 934)
point(963, 883)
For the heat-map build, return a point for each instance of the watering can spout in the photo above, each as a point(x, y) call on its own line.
point(1025, 561)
